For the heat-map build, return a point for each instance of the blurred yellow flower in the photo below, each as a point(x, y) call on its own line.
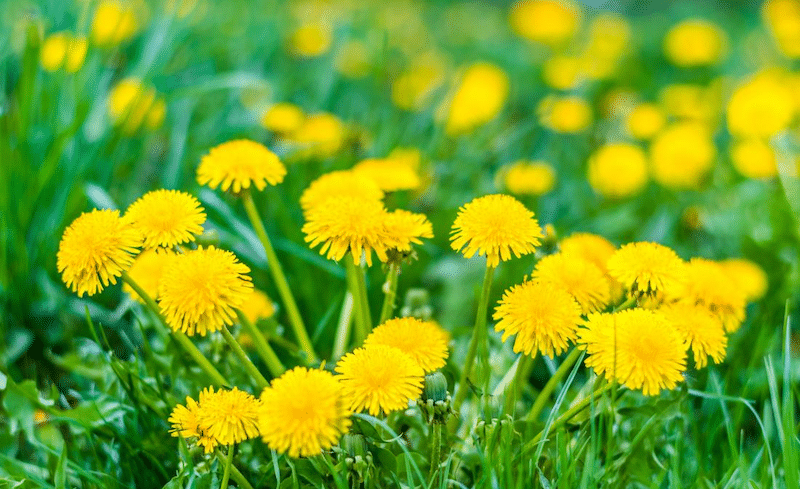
point(166, 218)
point(565, 114)
point(618, 170)
point(647, 268)
point(283, 118)
point(257, 306)
point(754, 158)
point(405, 228)
point(638, 348)
point(352, 60)
point(303, 412)
point(644, 121)
point(549, 22)
point(337, 184)
point(706, 283)
point(695, 42)
point(311, 40)
point(95, 249)
point(609, 39)
point(687, 101)
point(62, 48)
point(200, 289)
point(543, 316)
point(114, 22)
point(592, 247)
point(238, 164)
point(390, 175)
point(380, 379)
point(479, 97)
point(412, 89)
point(130, 104)
point(761, 107)
point(495, 226)
point(529, 178)
point(321, 135)
point(146, 271)
point(783, 18)
point(681, 155)
point(577, 276)
point(748, 277)
point(562, 72)
point(424, 341)
point(702, 331)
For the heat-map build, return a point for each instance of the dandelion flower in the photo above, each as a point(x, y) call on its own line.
point(147, 270)
point(238, 164)
point(379, 379)
point(495, 226)
point(114, 22)
point(311, 40)
point(568, 115)
point(748, 277)
point(353, 224)
point(644, 121)
point(761, 107)
point(390, 175)
point(544, 317)
point(706, 283)
point(201, 288)
point(529, 178)
point(166, 218)
point(546, 21)
point(320, 135)
point(646, 268)
point(754, 158)
point(578, 277)
point(702, 330)
point(405, 228)
point(130, 103)
point(424, 341)
point(95, 249)
point(638, 348)
point(303, 412)
point(682, 155)
point(695, 42)
point(588, 246)
point(618, 170)
point(186, 425)
point(338, 184)
point(54, 50)
point(479, 97)
point(257, 306)
point(283, 118)
point(229, 416)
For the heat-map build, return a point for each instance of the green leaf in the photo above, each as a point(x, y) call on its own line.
point(60, 478)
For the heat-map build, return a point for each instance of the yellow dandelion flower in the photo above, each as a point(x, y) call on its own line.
point(748, 277)
point(185, 423)
point(390, 175)
point(782, 18)
point(311, 40)
point(200, 289)
point(703, 332)
point(303, 412)
point(682, 155)
point(405, 228)
point(609, 39)
point(54, 50)
point(754, 158)
point(567, 115)
point(689, 102)
point(76, 54)
point(588, 246)
point(479, 97)
point(113, 22)
point(529, 178)
point(646, 268)
point(637, 348)
point(544, 317)
point(95, 249)
point(321, 135)
point(166, 218)
point(413, 88)
point(257, 306)
point(618, 170)
point(546, 21)
point(645, 121)
point(706, 283)
point(238, 164)
point(353, 224)
point(229, 416)
point(130, 102)
point(495, 226)
point(424, 341)
point(579, 277)
point(761, 107)
point(338, 184)
point(562, 72)
point(380, 379)
point(146, 271)
point(352, 60)
point(283, 118)
point(695, 42)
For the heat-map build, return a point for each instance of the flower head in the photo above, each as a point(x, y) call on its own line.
point(283, 118)
point(646, 268)
point(644, 121)
point(353, 224)
point(379, 378)
point(567, 115)
point(592, 247)
point(495, 226)
point(95, 249)
point(114, 22)
point(238, 164)
point(303, 412)
point(147, 270)
point(424, 341)
point(761, 107)
point(754, 158)
point(338, 184)
point(695, 42)
point(319, 135)
point(185, 423)
point(706, 283)
point(618, 170)
point(62, 48)
point(702, 331)
point(200, 289)
point(166, 218)
point(749, 278)
point(577, 276)
point(257, 306)
point(529, 178)
point(479, 97)
point(546, 21)
point(405, 228)
point(544, 317)
point(229, 416)
point(390, 174)
point(132, 103)
point(682, 154)
point(637, 348)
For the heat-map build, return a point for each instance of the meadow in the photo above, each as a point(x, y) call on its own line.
point(339, 244)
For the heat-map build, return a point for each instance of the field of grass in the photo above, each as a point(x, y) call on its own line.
point(675, 123)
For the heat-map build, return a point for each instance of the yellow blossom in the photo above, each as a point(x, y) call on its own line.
point(618, 170)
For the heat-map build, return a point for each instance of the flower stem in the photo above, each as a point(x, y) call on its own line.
point(280, 279)
point(179, 336)
point(390, 289)
point(549, 387)
point(237, 476)
point(227, 473)
point(479, 339)
point(358, 287)
point(514, 389)
point(436, 453)
point(343, 328)
point(244, 359)
point(265, 351)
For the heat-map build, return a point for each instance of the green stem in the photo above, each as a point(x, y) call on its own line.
point(363, 326)
point(514, 389)
point(261, 382)
point(390, 288)
point(571, 413)
point(549, 387)
point(179, 336)
point(361, 279)
point(265, 351)
point(630, 301)
point(343, 328)
point(436, 453)
point(227, 473)
point(280, 279)
point(479, 338)
point(237, 476)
